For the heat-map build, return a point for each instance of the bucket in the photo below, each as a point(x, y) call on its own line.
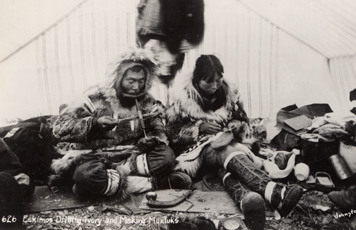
point(348, 152)
point(340, 167)
point(316, 151)
point(310, 149)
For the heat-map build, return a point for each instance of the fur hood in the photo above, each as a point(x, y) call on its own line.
point(134, 56)
point(185, 103)
point(116, 71)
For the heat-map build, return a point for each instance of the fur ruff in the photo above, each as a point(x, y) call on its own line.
point(115, 72)
point(186, 106)
point(134, 56)
point(108, 94)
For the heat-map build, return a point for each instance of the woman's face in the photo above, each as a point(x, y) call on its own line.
point(211, 87)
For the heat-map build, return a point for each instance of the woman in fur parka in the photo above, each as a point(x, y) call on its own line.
point(196, 111)
point(205, 125)
point(204, 105)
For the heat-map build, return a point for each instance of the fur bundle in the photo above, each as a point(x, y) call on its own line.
point(63, 169)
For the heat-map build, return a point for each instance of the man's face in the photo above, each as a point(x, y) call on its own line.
point(133, 82)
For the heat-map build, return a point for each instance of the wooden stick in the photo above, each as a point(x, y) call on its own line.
point(145, 116)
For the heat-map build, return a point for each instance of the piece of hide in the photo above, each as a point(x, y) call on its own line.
point(191, 161)
point(277, 166)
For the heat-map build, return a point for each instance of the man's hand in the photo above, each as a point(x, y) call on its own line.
point(209, 128)
point(146, 143)
point(106, 123)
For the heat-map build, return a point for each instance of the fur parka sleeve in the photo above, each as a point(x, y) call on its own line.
point(185, 133)
point(239, 113)
point(158, 130)
point(74, 123)
point(182, 132)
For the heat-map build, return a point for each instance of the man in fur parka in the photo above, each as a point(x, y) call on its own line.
point(92, 121)
point(114, 116)
point(205, 124)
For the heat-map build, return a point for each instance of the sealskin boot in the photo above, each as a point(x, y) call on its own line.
point(285, 198)
point(254, 210)
point(251, 203)
point(345, 199)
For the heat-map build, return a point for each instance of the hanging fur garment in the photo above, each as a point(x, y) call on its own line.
point(182, 19)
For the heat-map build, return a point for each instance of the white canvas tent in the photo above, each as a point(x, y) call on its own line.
point(278, 52)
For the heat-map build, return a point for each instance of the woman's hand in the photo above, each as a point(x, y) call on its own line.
point(234, 125)
point(158, 107)
point(209, 128)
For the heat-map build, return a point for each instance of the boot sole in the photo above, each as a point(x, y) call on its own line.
point(287, 206)
point(255, 214)
point(186, 182)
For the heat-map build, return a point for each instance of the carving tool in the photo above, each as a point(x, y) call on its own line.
point(140, 117)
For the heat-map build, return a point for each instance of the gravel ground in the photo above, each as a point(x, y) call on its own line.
point(314, 211)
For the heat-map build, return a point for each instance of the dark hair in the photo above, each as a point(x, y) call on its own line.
point(206, 67)
point(137, 69)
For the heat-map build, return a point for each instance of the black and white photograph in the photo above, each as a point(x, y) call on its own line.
point(178, 114)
